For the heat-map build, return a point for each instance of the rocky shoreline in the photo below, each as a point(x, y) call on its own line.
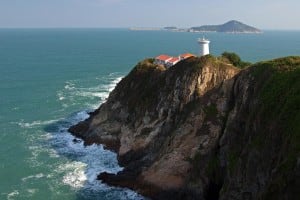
point(194, 131)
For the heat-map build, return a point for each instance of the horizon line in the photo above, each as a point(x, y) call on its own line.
point(132, 27)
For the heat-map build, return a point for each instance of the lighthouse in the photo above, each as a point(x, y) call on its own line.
point(204, 46)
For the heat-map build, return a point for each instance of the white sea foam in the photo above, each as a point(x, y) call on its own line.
point(36, 151)
point(61, 96)
point(69, 85)
point(102, 95)
point(75, 176)
point(79, 165)
point(36, 123)
point(53, 153)
point(73, 94)
point(80, 116)
point(36, 176)
point(87, 162)
point(32, 191)
point(85, 169)
point(13, 194)
point(45, 136)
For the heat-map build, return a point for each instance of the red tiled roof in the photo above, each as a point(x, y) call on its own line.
point(163, 57)
point(187, 55)
point(173, 60)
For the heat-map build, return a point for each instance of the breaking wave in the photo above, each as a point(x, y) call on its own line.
point(73, 93)
point(70, 163)
point(84, 163)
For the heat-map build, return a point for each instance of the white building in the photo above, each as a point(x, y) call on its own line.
point(169, 61)
point(204, 46)
point(172, 61)
point(162, 59)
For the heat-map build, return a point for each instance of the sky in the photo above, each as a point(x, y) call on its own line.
point(263, 14)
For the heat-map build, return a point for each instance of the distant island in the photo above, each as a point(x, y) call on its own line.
point(232, 26)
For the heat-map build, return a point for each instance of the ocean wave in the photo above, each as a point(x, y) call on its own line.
point(84, 163)
point(74, 174)
point(69, 85)
point(60, 95)
point(72, 163)
point(36, 123)
point(32, 191)
point(36, 151)
point(13, 194)
point(102, 95)
point(73, 94)
point(36, 176)
point(20, 194)
point(39, 149)
point(52, 153)
point(85, 168)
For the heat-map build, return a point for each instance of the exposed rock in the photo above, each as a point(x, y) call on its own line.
point(203, 129)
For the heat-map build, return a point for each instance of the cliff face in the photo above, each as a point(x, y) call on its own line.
point(203, 129)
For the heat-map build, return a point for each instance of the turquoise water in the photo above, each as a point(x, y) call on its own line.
point(51, 78)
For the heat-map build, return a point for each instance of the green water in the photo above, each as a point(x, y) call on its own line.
point(51, 78)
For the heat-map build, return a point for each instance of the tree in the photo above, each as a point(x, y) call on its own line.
point(235, 59)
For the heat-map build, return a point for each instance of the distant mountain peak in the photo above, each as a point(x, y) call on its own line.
point(234, 21)
point(232, 26)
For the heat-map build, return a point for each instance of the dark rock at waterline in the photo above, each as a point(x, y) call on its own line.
point(75, 140)
point(80, 129)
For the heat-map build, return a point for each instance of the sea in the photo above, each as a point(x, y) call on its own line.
point(51, 79)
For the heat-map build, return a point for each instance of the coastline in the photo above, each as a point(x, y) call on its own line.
point(175, 140)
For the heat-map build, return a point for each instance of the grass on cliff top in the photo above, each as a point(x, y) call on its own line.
point(192, 64)
point(280, 95)
point(146, 66)
point(234, 59)
point(196, 64)
point(281, 99)
point(280, 106)
point(139, 88)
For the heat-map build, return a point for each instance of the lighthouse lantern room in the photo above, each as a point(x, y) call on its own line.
point(204, 46)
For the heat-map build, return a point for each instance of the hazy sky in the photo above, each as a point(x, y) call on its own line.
point(264, 14)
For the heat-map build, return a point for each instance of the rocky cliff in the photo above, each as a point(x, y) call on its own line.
point(203, 129)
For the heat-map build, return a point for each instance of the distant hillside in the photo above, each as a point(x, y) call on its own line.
point(229, 27)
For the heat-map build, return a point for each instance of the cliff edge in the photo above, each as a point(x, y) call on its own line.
point(203, 129)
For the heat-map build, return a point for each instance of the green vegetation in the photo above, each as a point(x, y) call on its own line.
point(235, 59)
point(141, 84)
point(281, 102)
point(280, 107)
point(198, 63)
point(146, 66)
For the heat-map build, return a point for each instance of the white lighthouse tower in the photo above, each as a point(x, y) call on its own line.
point(204, 46)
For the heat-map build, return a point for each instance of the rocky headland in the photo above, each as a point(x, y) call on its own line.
point(203, 129)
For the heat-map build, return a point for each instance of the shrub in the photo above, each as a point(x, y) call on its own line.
point(235, 59)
